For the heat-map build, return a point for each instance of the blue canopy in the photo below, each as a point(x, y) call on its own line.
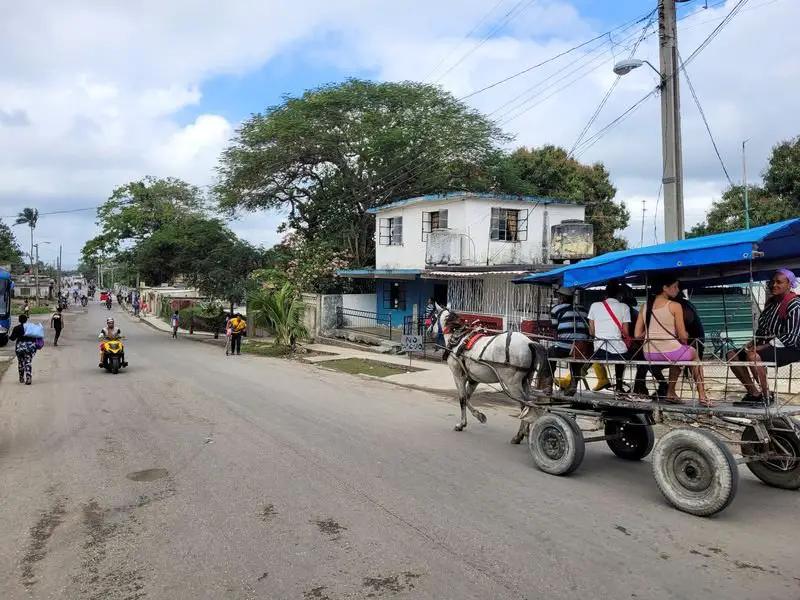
point(714, 259)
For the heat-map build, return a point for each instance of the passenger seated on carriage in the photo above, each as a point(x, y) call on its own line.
point(777, 339)
point(572, 328)
point(610, 326)
point(662, 327)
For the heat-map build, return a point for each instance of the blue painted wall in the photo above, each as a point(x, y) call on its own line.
point(417, 292)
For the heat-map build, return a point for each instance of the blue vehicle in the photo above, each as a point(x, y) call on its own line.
point(6, 292)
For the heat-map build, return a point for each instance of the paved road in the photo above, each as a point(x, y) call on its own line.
point(195, 476)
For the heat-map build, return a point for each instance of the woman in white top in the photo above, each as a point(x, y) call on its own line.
point(609, 324)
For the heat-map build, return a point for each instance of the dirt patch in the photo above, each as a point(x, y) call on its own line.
point(330, 527)
point(147, 475)
point(268, 512)
point(316, 593)
point(40, 534)
point(363, 366)
point(4, 365)
point(267, 350)
point(391, 584)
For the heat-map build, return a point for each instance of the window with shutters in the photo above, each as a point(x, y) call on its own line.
point(433, 220)
point(509, 225)
point(390, 232)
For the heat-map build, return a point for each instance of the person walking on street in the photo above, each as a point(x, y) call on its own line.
point(175, 324)
point(25, 348)
point(57, 323)
point(26, 309)
point(238, 327)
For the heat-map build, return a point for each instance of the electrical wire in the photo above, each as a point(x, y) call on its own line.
point(556, 57)
point(506, 18)
point(602, 104)
point(705, 120)
point(464, 39)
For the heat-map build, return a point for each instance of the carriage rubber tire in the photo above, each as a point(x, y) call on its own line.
point(769, 474)
point(695, 471)
point(556, 444)
point(636, 437)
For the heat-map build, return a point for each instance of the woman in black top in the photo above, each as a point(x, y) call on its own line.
point(57, 323)
point(25, 348)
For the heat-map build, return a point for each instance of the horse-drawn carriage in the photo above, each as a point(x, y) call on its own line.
point(693, 461)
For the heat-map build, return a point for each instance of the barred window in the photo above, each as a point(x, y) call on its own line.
point(509, 225)
point(390, 232)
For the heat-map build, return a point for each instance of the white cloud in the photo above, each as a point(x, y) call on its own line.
point(97, 104)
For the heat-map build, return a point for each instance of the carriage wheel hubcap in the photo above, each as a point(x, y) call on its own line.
point(692, 470)
point(553, 443)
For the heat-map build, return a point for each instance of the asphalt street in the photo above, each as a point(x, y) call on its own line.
point(192, 475)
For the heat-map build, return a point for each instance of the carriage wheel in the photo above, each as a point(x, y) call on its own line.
point(633, 437)
point(781, 471)
point(556, 444)
point(695, 471)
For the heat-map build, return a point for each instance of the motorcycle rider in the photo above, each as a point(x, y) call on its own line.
point(108, 333)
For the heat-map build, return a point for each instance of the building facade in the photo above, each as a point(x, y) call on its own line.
point(463, 249)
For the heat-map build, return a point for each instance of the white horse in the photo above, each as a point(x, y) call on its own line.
point(509, 358)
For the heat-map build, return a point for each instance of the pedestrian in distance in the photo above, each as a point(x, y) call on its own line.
point(25, 348)
point(175, 324)
point(26, 309)
point(238, 328)
point(57, 323)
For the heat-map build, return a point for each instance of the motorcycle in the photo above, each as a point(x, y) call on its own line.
point(108, 303)
point(84, 301)
point(113, 356)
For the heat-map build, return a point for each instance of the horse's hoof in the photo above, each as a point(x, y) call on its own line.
point(516, 440)
point(459, 427)
point(481, 418)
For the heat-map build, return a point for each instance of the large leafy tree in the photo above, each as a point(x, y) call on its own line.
point(549, 171)
point(10, 253)
point(776, 200)
point(334, 152)
point(138, 209)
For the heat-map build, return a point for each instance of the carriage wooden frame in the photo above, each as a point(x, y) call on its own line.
point(693, 464)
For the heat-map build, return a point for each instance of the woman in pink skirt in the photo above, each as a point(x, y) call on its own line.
point(660, 324)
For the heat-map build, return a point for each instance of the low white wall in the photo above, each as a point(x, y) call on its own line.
point(359, 301)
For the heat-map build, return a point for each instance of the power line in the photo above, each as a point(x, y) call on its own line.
point(556, 57)
point(705, 121)
point(58, 212)
point(464, 39)
point(602, 104)
point(506, 18)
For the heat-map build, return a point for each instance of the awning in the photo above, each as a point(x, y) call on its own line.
point(469, 274)
point(379, 273)
point(713, 259)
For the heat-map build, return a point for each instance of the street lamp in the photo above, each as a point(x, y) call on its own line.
point(36, 269)
point(624, 67)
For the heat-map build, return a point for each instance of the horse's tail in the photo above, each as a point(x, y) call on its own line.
point(539, 363)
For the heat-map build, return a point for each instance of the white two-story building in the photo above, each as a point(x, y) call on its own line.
point(463, 249)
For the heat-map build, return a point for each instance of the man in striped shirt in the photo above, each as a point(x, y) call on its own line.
point(777, 339)
point(570, 321)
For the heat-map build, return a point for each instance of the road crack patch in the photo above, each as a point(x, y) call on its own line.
point(40, 535)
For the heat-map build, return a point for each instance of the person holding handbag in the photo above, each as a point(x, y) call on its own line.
point(610, 326)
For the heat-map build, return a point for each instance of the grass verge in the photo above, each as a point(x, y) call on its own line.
point(362, 366)
point(266, 350)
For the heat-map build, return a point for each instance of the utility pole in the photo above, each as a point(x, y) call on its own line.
point(58, 293)
point(671, 121)
point(644, 211)
point(744, 184)
point(36, 273)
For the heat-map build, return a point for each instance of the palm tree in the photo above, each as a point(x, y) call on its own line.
point(30, 217)
point(280, 310)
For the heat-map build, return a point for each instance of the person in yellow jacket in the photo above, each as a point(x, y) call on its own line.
point(238, 329)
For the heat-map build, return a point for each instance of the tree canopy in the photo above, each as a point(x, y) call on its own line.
point(338, 150)
point(10, 253)
point(549, 171)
